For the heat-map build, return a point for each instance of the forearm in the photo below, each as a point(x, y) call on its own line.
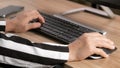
point(16, 50)
point(6, 25)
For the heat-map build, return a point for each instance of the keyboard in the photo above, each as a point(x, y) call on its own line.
point(62, 29)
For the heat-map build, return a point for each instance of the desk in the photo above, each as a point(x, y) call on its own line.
point(112, 26)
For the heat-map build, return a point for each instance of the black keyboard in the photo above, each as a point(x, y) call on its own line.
point(63, 29)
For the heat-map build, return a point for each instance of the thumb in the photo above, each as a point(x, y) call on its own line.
point(33, 25)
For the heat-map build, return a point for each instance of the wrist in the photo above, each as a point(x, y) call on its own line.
point(9, 26)
point(75, 50)
point(72, 55)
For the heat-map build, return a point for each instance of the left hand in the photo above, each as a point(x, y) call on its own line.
point(21, 22)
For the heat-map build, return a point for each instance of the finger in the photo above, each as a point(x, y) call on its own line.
point(103, 42)
point(93, 34)
point(99, 51)
point(33, 25)
point(34, 15)
point(105, 45)
point(41, 19)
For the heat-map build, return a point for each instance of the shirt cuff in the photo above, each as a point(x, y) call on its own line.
point(61, 55)
point(2, 25)
point(64, 56)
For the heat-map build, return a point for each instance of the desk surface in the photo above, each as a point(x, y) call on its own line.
point(59, 6)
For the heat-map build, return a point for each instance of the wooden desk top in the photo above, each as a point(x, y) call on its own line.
point(112, 26)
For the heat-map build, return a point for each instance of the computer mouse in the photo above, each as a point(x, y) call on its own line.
point(108, 51)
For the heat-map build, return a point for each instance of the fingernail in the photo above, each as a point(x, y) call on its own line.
point(44, 21)
point(107, 56)
point(113, 47)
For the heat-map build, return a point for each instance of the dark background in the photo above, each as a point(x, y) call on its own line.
point(117, 11)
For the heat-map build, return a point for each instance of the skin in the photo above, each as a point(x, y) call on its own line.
point(21, 22)
point(81, 48)
point(89, 44)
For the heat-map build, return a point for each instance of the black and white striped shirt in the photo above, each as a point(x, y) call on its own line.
point(21, 52)
point(2, 25)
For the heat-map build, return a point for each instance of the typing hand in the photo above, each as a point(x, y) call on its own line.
point(21, 22)
point(89, 44)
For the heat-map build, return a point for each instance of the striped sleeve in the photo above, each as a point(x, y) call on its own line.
point(18, 51)
point(2, 25)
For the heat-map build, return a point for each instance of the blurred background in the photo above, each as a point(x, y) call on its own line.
point(116, 11)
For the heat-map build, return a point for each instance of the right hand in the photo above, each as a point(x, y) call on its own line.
point(87, 45)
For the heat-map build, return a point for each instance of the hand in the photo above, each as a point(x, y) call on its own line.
point(21, 22)
point(89, 44)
